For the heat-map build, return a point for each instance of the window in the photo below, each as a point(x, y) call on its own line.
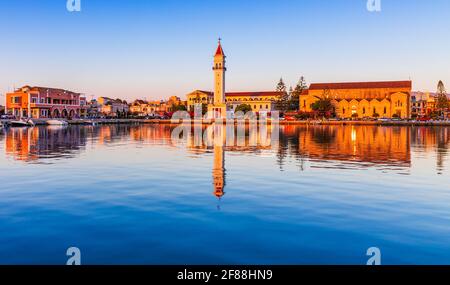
point(33, 100)
point(385, 110)
point(364, 110)
point(304, 103)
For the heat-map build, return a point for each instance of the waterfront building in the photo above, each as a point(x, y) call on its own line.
point(43, 102)
point(144, 108)
point(112, 107)
point(93, 109)
point(258, 101)
point(220, 101)
point(362, 99)
point(422, 104)
point(140, 108)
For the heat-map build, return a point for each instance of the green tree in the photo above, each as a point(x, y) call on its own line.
point(245, 108)
point(442, 100)
point(323, 105)
point(283, 97)
point(281, 86)
point(295, 95)
point(179, 107)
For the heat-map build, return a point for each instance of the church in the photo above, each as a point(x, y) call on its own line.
point(386, 99)
point(220, 102)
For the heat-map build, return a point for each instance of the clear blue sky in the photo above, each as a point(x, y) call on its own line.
point(156, 48)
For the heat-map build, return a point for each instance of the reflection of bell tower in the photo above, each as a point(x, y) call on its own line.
point(219, 172)
point(219, 161)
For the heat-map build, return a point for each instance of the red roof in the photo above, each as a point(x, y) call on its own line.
point(253, 94)
point(361, 85)
point(248, 94)
point(219, 50)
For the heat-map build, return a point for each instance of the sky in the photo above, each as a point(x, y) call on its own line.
point(153, 49)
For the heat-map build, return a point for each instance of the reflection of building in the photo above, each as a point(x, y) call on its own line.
point(42, 102)
point(38, 143)
point(219, 171)
point(220, 101)
point(378, 145)
point(432, 140)
point(362, 99)
point(219, 161)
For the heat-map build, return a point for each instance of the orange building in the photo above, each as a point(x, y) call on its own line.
point(42, 102)
point(362, 99)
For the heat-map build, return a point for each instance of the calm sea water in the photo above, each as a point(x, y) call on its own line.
point(132, 195)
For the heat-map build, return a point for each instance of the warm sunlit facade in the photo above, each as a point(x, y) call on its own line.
point(42, 102)
point(258, 101)
point(362, 99)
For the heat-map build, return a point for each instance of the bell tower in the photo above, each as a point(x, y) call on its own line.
point(219, 107)
point(219, 75)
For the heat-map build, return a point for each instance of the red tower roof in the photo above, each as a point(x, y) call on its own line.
point(219, 50)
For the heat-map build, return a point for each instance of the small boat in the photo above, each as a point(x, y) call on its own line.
point(57, 123)
point(22, 123)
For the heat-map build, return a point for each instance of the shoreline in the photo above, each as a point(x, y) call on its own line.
point(40, 122)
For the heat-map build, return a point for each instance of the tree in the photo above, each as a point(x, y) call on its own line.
point(179, 107)
point(281, 87)
point(244, 108)
point(283, 97)
point(295, 95)
point(442, 100)
point(323, 105)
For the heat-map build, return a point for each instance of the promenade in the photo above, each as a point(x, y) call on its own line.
point(206, 122)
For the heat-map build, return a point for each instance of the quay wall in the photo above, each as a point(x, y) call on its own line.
point(284, 123)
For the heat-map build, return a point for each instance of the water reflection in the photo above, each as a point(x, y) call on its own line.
point(38, 144)
point(129, 192)
point(330, 146)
